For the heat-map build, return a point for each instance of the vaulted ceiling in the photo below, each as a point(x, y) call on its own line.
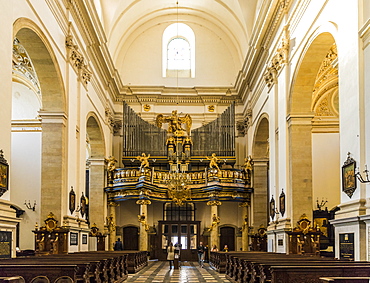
point(125, 19)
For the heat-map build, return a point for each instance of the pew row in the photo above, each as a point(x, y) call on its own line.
point(75, 267)
point(281, 268)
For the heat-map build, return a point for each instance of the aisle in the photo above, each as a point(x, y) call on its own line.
point(159, 271)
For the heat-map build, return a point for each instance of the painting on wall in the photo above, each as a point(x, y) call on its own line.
point(272, 208)
point(72, 200)
point(349, 176)
point(4, 174)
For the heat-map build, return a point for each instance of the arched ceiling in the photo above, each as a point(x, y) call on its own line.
point(122, 19)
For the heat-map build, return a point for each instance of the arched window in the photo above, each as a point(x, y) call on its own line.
point(178, 51)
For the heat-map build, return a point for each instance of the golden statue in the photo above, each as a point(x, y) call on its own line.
point(215, 220)
point(248, 164)
point(175, 123)
point(141, 219)
point(111, 166)
point(248, 167)
point(144, 160)
point(110, 223)
point(213, 161)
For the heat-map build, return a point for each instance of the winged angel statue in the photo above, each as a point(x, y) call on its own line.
point(175, 123)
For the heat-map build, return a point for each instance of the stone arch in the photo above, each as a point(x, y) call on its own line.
point(53, 116)
point(261, 136)
point(305, 131)
point(95, 136)
point(96, 172)
point(260, 154)
point(45, 63)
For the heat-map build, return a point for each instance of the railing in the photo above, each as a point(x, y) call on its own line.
point(134, 175)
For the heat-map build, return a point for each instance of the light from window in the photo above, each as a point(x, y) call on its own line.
point(178, 51)
point(178, 54)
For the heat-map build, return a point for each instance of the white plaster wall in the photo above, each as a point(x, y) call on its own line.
point(127, 212)
point(326, 169)
point(142, 62)
point(6, 48)
point(25, 181)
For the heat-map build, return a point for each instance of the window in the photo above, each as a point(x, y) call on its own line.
point(174, 212)
point(178, 51)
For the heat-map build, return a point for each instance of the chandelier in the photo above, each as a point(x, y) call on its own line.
point(177, 185)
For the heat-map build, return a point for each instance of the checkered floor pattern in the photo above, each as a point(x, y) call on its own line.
point(159, 271)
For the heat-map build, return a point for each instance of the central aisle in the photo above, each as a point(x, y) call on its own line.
point(159, 271)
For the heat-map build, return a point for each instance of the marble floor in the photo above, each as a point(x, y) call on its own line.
point(159, 271)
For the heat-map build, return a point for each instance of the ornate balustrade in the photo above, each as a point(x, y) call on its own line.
point(148, 183)
point(133, 175)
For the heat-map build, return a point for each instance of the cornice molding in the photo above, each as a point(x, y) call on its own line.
point(77, 60)
point(89, 26)
point(278, 61)
point(270, 17)
point(171, 95)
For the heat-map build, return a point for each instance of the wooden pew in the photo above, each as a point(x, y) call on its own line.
point(136, 260)
point(14, 279)
point(312, 274)
point(346, 279)
point(80, 267)
point(50, 271)
point(259, 266)
point(217, 261)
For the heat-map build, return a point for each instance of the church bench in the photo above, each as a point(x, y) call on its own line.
point(265, 270)
point(97, 267)
point(136, 260)
point(255, 266)
point(217, 261)
point(51, 272)
point(313, 274)
point(346, 279)
point(13, 279)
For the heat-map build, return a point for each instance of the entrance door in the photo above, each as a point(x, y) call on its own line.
point(227, 238)
point(131, 238)
point(184, 234)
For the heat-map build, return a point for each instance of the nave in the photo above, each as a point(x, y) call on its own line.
point(189, 271)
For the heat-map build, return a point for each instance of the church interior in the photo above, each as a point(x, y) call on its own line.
point(239, 124)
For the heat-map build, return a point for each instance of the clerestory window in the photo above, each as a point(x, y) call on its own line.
point(178, 51)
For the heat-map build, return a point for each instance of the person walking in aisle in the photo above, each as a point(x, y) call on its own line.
point(170, 254)
point(201, 250)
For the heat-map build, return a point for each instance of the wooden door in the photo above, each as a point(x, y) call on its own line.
point(183, 233)
point(227, 238)
point(131, 238)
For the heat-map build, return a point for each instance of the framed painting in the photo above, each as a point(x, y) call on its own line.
point(72, 200)
point(282, 202)
point(272, 208)
point(349, 176)
point(4, 174)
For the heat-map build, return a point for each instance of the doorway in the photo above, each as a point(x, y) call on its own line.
point(227, 238)
point(131, 238)
point(183, 234)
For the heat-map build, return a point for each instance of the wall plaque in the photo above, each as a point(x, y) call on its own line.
point(5, 244)
point(73, 239)
point(84, 239)
point(347, 246)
